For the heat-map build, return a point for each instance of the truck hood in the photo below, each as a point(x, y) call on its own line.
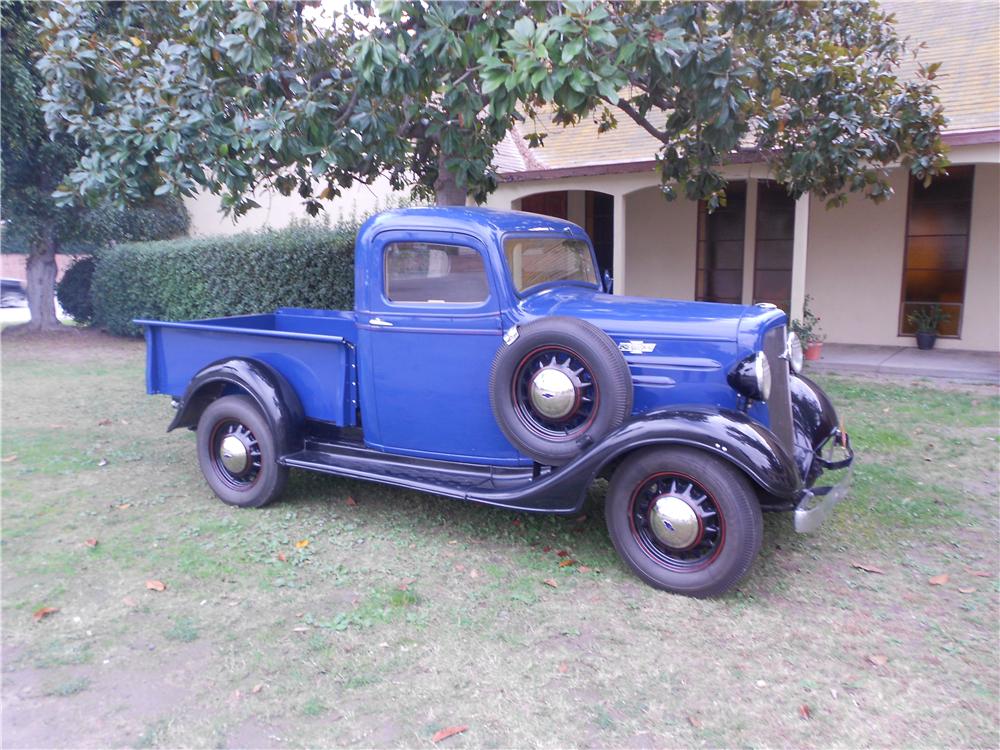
point(624, 318)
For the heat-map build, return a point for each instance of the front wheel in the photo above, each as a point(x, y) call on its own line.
point(683, 520)
point(238, 453)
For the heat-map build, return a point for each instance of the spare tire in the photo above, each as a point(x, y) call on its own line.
point(558, 386)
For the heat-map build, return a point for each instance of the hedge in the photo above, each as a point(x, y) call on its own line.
point(306, 265)
point(73, 290)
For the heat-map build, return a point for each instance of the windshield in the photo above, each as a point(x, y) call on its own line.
point(544, 260)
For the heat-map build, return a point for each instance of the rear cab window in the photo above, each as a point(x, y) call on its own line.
point(432, 273)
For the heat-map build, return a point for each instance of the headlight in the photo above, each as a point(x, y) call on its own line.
point(793, 352)
point(752, 377)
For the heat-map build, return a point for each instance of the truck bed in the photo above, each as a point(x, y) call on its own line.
point(313, 349)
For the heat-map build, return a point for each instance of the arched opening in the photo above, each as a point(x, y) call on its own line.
point(592, 210)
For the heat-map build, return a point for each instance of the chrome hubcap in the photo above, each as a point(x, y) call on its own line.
point(234, 454)
point(553, 393)
point(674, 522)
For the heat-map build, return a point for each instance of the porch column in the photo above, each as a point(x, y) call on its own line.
point(800, 244)
point(750, 241)
point(576, 207)
point(618, 244)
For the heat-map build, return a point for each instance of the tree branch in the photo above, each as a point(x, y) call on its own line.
point(645, 124)
point(345, 116)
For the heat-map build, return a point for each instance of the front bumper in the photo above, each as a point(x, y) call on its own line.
point(817, 502)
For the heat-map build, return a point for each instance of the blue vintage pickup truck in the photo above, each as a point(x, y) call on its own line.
point(485, 361)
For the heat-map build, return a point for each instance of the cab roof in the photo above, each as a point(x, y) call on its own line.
point(485, 223)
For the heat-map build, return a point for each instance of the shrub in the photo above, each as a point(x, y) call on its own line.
point(73, 291)
point(306, 265)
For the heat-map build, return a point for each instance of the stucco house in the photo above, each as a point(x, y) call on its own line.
point(864, 266)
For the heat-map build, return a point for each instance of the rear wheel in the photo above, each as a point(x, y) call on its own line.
point(684, 520)
point(237, 453)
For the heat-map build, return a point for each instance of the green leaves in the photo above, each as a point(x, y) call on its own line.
point(234, 98)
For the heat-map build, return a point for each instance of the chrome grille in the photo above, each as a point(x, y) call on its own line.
point(779, 405)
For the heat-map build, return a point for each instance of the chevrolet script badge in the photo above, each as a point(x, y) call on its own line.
point(636, 347)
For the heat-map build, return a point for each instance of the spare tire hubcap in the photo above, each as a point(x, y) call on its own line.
point(553, 393)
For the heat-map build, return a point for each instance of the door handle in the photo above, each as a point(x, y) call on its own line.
point(379, 322)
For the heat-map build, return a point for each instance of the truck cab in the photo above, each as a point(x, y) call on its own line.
point(485, 361)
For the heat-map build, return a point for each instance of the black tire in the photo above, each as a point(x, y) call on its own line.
point(591, 363)
point(263, 479)
point(721, 500)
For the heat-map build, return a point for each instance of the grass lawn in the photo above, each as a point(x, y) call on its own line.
point(353, 614)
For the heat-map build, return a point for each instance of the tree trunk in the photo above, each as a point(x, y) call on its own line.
point(446, 190)
point(41, 284)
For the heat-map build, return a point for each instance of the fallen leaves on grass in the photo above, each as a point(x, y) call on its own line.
point(562, 553)
point(805, 712)
point(8, 459)
point(980, 573)
point(281, 557)
point(566, 563)
point(473, 573)
point(868, 568)
point(878, 660)
point(968, 590)
point(154, 585)
point(563, 667)
point(694, 721)
point(551, 582)
point(257, 688)
point(41, 614)
point(124, 506)
point(103, 422)
point(128, 601)
point(583, 569)
point(103, 462)
point(516, 522)
point(447, 732)
point(940, 580)
point(351, 501)
point(302, 544)
point(90, 542)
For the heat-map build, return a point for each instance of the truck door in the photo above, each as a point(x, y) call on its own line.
point(426, 344)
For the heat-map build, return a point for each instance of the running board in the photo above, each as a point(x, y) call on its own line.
point(513, 488)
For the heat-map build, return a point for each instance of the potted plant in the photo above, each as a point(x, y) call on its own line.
point(927, 320)
point(809, 332)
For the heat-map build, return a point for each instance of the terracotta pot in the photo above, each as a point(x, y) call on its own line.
point(925, 339)
point(813, 350)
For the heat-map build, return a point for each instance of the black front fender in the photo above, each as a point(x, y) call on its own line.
point(730, 435)
point(275, 398)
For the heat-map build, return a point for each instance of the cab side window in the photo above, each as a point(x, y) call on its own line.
point(425, 272)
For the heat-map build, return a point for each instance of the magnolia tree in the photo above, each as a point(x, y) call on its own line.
point(233, 98)
point(33, 164)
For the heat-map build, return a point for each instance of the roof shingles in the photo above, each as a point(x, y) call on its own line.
point(963, 36)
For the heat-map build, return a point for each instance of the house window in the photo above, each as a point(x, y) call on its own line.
point(720, 248)
point(427, 272)
point(937, 244)
point(772, 273)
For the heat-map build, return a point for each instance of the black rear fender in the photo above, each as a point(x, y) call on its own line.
point(275, 398)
